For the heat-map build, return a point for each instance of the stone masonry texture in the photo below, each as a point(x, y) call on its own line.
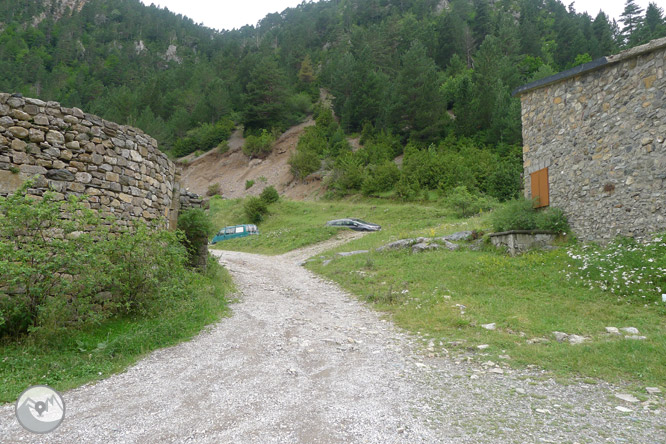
point(67, 151)
point(601, 134)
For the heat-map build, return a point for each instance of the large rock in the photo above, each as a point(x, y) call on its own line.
point(55, 138)
point(424, 246)
point(459, 236)
point(19, 132)
point(397, 245)
point(60, 175)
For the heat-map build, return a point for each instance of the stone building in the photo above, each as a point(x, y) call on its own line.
point(594, 143)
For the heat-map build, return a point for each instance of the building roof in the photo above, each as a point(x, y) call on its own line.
point(592, 66)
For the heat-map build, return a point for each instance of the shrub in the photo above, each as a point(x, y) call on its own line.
point(517, 214)
point(204, 137)
point(300, 105)
point(147, 268)
point(269, 195)
point(38, 262)
point(505, 183)
point(61, 266)
point(196, 226)
point(255, 209)
point(303, 163)
point(552, 219)
point(381, 178)
point(213, 190)
point(223, 147)
point(465, 203)
point(259, 146)
point(249, 184)
point(520, 214)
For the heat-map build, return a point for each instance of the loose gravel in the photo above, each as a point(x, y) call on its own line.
point(301, 361)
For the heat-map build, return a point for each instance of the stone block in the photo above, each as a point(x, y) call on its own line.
point(31, 170)
point(10, 182)
point(55, 138)
point(36, 135)
point(83, 177)
point(41, 120)
point(20, 115)
point(19, 132)
point(18, 145)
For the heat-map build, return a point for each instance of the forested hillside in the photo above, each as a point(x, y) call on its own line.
point(419, 71)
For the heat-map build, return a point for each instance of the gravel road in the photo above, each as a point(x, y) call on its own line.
point(301, 361)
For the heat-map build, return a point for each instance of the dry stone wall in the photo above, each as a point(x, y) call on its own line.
point(601, 134)
point(67, 151)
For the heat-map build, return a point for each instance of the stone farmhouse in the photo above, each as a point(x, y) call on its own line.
point(594, 143)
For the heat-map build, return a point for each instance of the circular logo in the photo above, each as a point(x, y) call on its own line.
point(40, 409)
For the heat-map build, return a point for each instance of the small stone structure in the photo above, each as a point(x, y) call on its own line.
point(67, 151)
point(521, 241)
point(594, 139)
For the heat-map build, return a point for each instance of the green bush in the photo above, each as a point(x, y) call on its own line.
point(249, 184)
point(269, 195)
point(465, 203)
point(303, 163)
point(147, 268)
point(516, 214)
point(61, 266)
point(39, 250)
point(255, 209)
point(205, 137)
point(520, 214)
point(196, 226)
point(380, 178)
point(213, 190)
point(259, 146)
point(552, 219)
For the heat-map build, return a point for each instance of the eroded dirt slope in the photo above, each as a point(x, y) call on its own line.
point(232, 169)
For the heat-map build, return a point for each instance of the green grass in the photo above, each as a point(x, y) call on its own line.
point(291, 225)
point(527, 297)
point(80, 356)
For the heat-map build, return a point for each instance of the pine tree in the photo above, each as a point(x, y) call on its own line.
point(631, 19)
point(306, 73)
point(603, 36)
point(265, 95)
point(419, 106)
point(654, 21)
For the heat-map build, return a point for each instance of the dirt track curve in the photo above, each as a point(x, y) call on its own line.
point(301, 361)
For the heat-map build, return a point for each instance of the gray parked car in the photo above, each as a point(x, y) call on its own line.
point(354, 224)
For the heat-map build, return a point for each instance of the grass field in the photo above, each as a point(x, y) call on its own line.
point(80, 356)
point(446, 296)
point(290, 224)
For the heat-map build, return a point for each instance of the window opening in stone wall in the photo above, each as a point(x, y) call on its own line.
point(540, 194)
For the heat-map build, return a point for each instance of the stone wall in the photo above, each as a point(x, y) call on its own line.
point(67, 151)
point(600, 130)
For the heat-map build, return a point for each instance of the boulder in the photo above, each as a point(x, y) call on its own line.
point(424, 246)
point(459, 236)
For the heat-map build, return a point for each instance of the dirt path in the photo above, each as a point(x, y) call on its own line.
point(301, 361)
